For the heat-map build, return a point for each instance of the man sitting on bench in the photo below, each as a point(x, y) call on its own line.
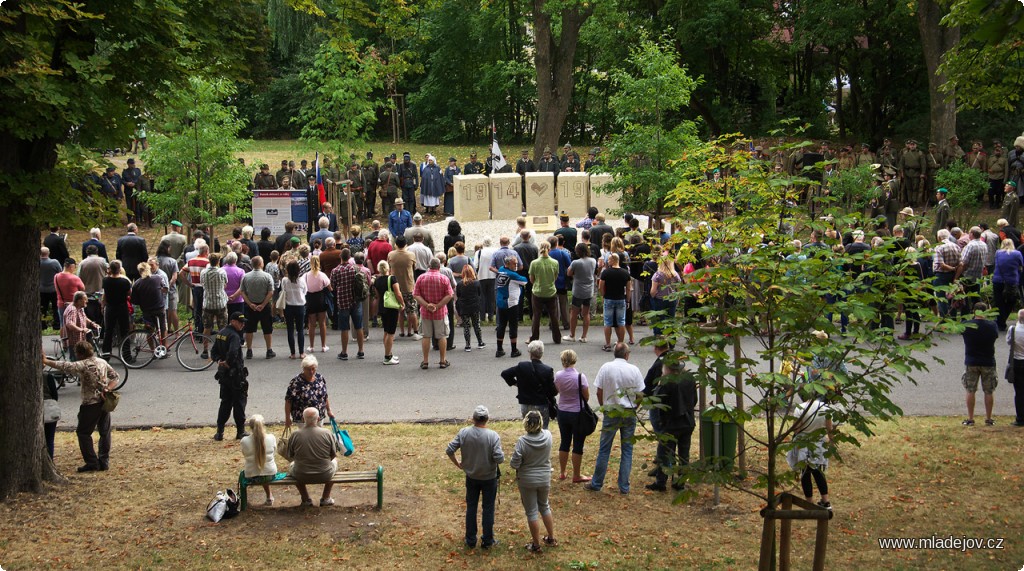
point(311, 450)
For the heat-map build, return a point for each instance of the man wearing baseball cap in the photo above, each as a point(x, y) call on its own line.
point(231, 374)
point(481, 455)
point(1011, 204)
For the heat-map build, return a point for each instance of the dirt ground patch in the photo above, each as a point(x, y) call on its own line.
point(919, 478)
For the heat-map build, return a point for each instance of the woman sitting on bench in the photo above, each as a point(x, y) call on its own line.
point(311, 450)
point(258, 450)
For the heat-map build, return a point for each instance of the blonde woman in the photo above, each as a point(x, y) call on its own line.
point(663, 283)
point(573, 391)
point(389, 315)
point(532, 462)
point(318, 287)
point(258, 450)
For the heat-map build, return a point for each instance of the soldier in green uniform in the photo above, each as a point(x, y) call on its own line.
point(1011, 204)
point(282, 173)
point(473, 166)
point(344, 212)
point(330, 174)
point(913, 169)
point(995, 167)
point(571, 162)
point(523, 166)
point(356, 186)
point(389, 186)
point(886, 156)
point(592, 160)
point(952, 152)
point(566, 150)
point(371, 174)
point(795, 162)
point(865, 157)
point(548, 163)
point(264, 180)
point(941, 210)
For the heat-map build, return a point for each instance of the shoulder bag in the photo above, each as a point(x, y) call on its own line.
point(1008, 375)
point(390, 301)
point(282, 443)
point(342, 440)
point(586, 420)
point(111, 400)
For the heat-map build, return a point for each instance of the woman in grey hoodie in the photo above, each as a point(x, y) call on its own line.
point(532, 462)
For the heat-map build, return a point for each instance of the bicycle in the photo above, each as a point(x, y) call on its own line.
point(61, 352)
point(142, 346)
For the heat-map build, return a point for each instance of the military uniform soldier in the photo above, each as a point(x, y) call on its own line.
point(572, 163)
point(886, 156)
point(371, 174)
point(330, 174)
point(264, 180)
point(826, 151)
point(795, 162)
point(846, 159)
point(995, 166)
point(282, 173)
point(356, 186)
point(941, 210)
point(1011, 204)
point(409, 180)
point(952, 152)
point(389, 186)
point(865, 156)
point(548, 163)
point(473, 166)
point(523, 166)
point(978, 159)
point(591, 160)
point(913, 169)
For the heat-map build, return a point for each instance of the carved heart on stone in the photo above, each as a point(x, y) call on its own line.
point(539, 188)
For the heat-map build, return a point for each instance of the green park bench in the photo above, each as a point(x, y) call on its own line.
point(283, 479)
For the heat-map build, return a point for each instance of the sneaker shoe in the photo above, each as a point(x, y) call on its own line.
point(343, 356)
point(656, 487)
point(826, 505)
point(515, 353)
point(241, 435)
point(490, 545)
point(326, 502)
point(481, 345)
point(569, 339)
point(392, 361)
point(307, 503)
point(469, 349)
point(271, 354)
point(583, 339)
point(360, 355)
point(416, 336)
point(204, 355)
point(218, 436)
point(499, 353)
point(324, 349)
point(248, 353)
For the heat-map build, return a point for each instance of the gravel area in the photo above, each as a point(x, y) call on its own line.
point(494, 229)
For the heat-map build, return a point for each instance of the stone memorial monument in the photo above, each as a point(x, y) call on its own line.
point(506, 197)
point(540, 193)
point(603, 202)
point(573, 193)
point(472, 199)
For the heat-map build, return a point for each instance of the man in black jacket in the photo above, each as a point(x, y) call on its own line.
point(132, 251)
point(284, 238)
point(231, 373)
point(58, 245)
point(409, 179)
point(535, 381)
point(676, 389)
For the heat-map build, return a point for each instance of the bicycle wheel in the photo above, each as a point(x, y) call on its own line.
point(119, 367)
point(135, 350)
point(192, 352)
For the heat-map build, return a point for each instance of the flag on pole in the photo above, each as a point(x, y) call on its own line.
point(498, 162)
point(319, 184)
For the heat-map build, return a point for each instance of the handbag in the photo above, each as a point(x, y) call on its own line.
point(586, 420)
point(390, 301)
point(1008, 375)
point(282, 301)
point(342, 440)
point(282, 444)
point(51, 411)
point(111, 400)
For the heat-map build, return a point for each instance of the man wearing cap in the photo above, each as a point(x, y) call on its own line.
point(303, 169)
point(399, 220)
point(354, 176)
point(592, 159)
point(912, 170)
point(231, 374)
point(566, 231)
point(1011, 204)
point(1015, 164)
point(473, 166)
point(886, 154)
point(549, 164)
point(131, 179)
point(389, 185)
point(952, 152)
point(371, 176)
point(449, 186)
point(409, 180)
point(865, 157)
point(481, 455)
point(282, 173)
point(571, 162)
point(905, 219)
point(941, 209)
point(977, 158)
point(523, 166)
point(175, 240)
point(264, 180)
point(995, 167)
point(111, 185)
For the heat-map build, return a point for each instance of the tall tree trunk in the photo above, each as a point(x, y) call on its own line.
point(936, 40)
point(25, 464)
point(554, 60)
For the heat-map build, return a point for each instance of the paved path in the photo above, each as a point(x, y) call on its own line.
point(366, 391)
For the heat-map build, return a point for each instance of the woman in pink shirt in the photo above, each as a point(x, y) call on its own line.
point(318, 286)
point(572, 387)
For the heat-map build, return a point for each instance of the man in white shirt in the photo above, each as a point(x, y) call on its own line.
point(619, 386)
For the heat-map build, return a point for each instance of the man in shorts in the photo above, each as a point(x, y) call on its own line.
point(616, 287)
point(215, 299)
point(402, 263)
point(433, 291)
point(258, 293)
point(980, 359)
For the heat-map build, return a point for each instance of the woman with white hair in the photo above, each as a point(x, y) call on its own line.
point(258, 450)
point(307, 390)
point(234, 285)
point(535, 382)
point(532, 462)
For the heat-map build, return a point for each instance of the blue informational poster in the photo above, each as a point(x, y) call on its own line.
point(273, 208)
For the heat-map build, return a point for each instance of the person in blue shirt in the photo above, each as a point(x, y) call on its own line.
point(562, 284)
point(399, 219)
point(449, 186)
point(508, 287)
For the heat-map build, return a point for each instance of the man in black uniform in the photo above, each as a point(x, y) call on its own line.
point(523, 166)
point(549, 163)
point(131, 178)
point(231, 373)
point(409, 179)
point(389, 186)
point(371, 174)
point(473, 166)
point(571, 162)
point(355, 177)
point(312, 206)
point(591, 160)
